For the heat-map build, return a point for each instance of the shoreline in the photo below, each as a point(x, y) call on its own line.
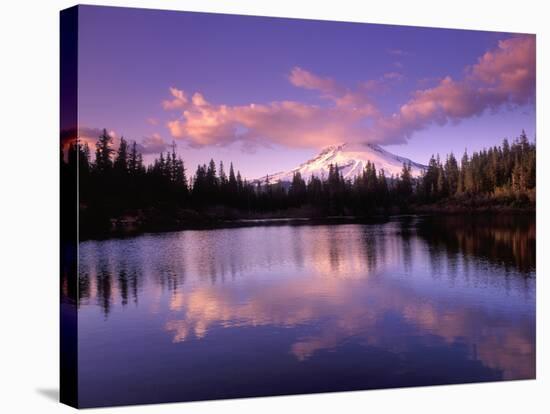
point(131, 226)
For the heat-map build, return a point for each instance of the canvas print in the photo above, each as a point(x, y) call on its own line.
point(256, 206)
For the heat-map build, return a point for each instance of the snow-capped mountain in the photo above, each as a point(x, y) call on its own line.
point(351, 161)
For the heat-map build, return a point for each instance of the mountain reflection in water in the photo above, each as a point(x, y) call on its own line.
point(289, 309)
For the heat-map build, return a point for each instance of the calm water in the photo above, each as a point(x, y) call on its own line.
point(294, 309)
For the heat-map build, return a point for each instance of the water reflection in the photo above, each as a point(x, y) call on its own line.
point(432, 292)
point(508, 240)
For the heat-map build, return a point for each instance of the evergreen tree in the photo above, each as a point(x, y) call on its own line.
point(222, 176)
point(297, 190)
point(211, 180)
point(104, 150)
point(121, 160)
point(452, 174)
point(405, 185)
point(133, 160)
point(240, 184)
point(83, 159)
point(232, 180)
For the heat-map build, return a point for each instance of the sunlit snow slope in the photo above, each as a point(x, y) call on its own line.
point(350, 161)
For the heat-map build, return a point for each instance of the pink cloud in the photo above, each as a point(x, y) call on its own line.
point(288, 123)
point(358, 100)
point(90, 136)
point(501, 77)
point(304, 79)
point(509, 72)
point(153, 145)
point(178, 101)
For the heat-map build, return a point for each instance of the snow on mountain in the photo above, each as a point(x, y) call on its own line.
point(351, 161)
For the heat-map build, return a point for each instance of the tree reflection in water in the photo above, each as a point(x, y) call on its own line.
point(426, 293)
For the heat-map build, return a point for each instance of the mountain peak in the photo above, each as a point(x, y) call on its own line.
point(333, 148)
point(351, 160)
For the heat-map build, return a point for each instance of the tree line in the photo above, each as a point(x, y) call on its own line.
point(114, 182)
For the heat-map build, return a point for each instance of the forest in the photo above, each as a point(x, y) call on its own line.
point(117, 189)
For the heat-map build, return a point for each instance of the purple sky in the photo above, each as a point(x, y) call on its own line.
point(269, 93)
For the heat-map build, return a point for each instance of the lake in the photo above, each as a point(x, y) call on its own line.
point(285, 309)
